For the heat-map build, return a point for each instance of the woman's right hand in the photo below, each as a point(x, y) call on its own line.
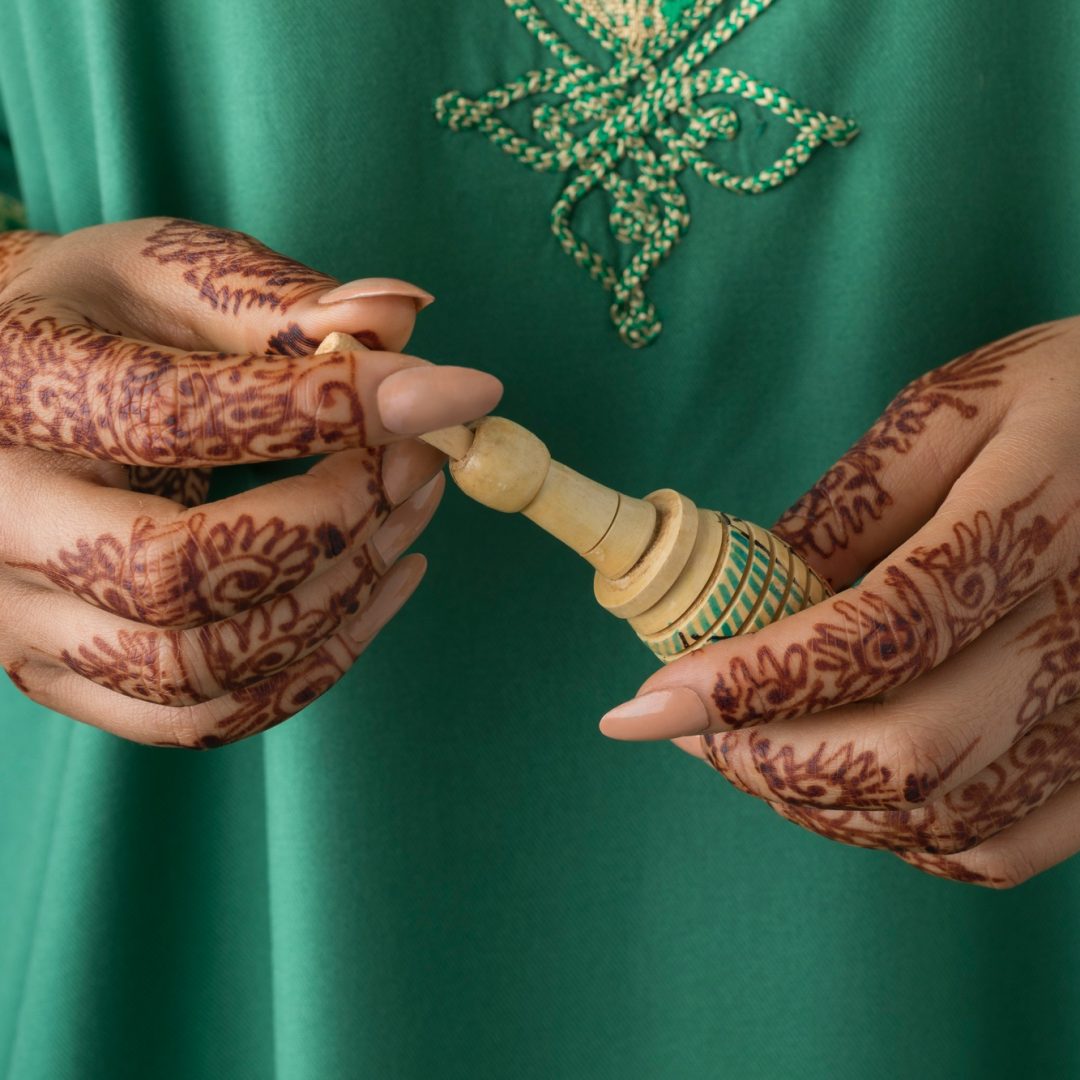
point(134, 357)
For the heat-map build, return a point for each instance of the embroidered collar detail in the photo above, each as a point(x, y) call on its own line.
point(633, 128)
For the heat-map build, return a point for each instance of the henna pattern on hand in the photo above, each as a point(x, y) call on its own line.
point(1038, 765)
point(942, 598)
point(230, 270)
point(69, 387)
point(189, 487)
point(849, 780)
point(172, 667)
point(193, 571)
point(851, 495)
point(1057, 679)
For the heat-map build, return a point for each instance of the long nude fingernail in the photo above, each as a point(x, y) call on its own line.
point(429, 397)
point(662, 714)
point(407, 522)
point(364, 288)
point(407, 466)
point(390, 598)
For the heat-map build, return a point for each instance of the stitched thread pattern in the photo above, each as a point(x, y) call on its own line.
point(647, 123)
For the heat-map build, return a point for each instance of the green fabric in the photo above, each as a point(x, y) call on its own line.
point(441, 869)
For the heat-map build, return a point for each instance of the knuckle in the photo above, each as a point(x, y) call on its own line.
point(192, 727)
point(914, 758)
point(1005, 867)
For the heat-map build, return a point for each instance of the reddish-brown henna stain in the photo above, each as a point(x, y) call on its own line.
point(1039, 764)
point(66, 386)
point(172, 667)
point(197, 570)
point(1057, 678)
point(189, 487)
point(230, 270)
point(14, 673)
point(932, 606)
point(839, 776)
point(851, 494)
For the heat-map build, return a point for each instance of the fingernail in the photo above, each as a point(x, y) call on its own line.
point(407, 522)
point(407, 466)
point(663, 714)
point(390, 598)
point(429, 397)
point(364, 288)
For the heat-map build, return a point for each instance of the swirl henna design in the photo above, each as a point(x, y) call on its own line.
point(195, 570)
point(69, 387)
point(851, 494)
point(171, 667)
point(230, 270)
point(1057, 679)
point(1039, 764)
point(884, 639)
point(942, 598)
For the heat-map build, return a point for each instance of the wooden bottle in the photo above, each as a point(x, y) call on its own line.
point(682, 577)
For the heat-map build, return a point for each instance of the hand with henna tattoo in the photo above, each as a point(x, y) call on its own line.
point(933, 709)
point(136, 357)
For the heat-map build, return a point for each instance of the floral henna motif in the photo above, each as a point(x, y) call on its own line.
point(1039, 764)
point(989, 567)
point(195, 571)
point(14, 673)
point(942, 598)
point(265, 704)
point(230, 270)
point(12, 246)
point(189, 487)
point(849, 779)
point(72, 388)
point(883, 640)
point(850, 495)
point(171, 668)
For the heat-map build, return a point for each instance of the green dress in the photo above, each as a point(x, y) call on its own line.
point(440, 869)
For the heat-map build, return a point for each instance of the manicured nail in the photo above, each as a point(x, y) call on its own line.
point(407, 522)
point(663, 714)
point(365, 288)
point(390, 598)
point(429, 397)
point(407, 466)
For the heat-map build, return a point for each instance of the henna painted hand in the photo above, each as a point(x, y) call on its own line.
point(951, 672)
point(133, 358)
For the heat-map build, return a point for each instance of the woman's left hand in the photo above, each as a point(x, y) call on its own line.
point(933, 709)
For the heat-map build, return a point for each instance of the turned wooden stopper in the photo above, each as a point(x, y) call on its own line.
point(683, 577)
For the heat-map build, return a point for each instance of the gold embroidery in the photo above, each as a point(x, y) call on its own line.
point(636, 22)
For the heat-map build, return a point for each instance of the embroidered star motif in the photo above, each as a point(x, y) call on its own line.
point(633, 128)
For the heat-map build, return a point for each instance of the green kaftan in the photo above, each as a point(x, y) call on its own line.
point(441, 869)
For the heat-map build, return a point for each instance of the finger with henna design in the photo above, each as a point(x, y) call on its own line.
point(185, 667)
point(153, 563)
point(241, 713)
point(929, 737)
point(962, 572)
point(1028, 775)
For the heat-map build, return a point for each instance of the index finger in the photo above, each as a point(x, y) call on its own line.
point(966, 568)
point(68, 386)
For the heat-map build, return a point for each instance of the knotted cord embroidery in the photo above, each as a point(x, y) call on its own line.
point(633, 129)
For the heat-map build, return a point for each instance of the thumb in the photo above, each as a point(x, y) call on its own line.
point(193, 286)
